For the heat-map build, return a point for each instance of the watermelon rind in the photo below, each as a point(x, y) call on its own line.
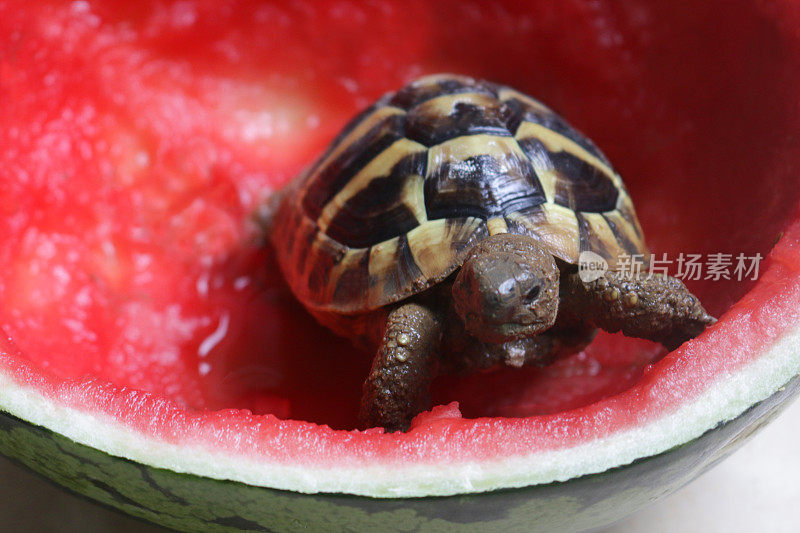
point(189, 502)
point(725, 399)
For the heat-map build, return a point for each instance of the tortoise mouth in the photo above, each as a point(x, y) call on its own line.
point(498, 332)
point(147, 278)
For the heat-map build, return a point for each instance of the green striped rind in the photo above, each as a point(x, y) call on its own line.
point(191, 503)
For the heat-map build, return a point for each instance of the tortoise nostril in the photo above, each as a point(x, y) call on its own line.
point(532, 294)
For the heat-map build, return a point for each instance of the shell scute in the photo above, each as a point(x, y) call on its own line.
point(480, 175)
point(382, 200)
point(368, 140)
point(414, 181)
point(447, 117)
point(428, 87)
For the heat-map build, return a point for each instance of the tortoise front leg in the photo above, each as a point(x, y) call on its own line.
point(656, 307)
point(398, 386)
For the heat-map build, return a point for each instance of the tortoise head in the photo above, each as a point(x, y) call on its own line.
point(507, 289)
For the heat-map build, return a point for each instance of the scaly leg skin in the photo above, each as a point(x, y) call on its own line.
point(398, 386)
point(657, 307)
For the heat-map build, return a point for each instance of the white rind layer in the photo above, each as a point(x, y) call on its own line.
point(723, 400)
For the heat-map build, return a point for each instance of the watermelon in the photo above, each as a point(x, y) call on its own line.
point(152, 359)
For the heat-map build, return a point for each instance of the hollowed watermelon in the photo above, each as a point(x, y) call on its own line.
point(153, 360)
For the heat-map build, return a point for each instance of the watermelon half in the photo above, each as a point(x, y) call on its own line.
point(152, 359)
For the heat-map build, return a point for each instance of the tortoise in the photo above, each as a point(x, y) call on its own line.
point(442, 229)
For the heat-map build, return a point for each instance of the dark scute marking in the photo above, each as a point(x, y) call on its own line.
point(353, 284)
point(463, 234)
point(622, 238)
point(353, 124)
point(330, 179)
point(521, 112)
point(466, 119)
point(413, 95)
point(288, 227)
point(407, 269)
point(630, 217)
point(319, 274)
point(582, 186)
point(362, 230)
point(536, 151)
point(589, 239)
point(534, 213)
point(482, 186)
point(288, 238)
point(377, 213)
point(303, 247)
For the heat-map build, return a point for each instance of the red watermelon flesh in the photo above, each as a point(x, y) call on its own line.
point(135, 142)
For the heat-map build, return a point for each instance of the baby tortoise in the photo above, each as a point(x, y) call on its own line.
point(442, 229)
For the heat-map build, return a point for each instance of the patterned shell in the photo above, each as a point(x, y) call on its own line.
point(414, 181)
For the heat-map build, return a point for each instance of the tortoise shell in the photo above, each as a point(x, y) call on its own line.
point(415, 180)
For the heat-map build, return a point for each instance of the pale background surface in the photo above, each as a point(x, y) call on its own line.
point(757, 489)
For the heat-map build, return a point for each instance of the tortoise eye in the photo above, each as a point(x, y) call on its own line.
point(532, 294)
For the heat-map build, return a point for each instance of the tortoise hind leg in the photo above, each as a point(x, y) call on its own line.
point(398, 386)
point(655, 307)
